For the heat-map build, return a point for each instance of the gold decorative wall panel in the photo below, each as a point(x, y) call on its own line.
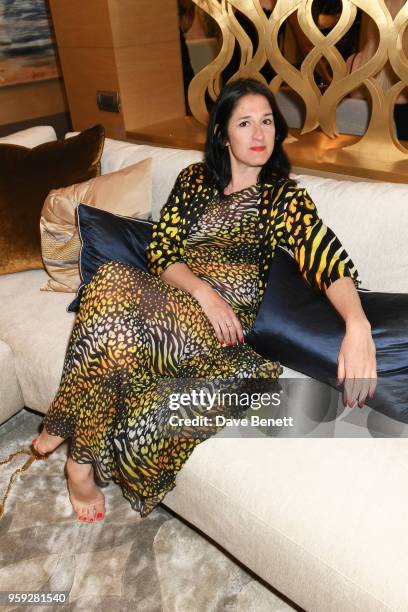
point(320, 106)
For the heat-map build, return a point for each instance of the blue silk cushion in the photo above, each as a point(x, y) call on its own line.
point(108, 237)
point(298, 326)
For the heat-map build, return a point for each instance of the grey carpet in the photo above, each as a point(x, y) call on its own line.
point(124, 563)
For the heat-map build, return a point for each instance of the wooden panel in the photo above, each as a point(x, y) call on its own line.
point(81, 23)
point(140, 22)
point(130, 46)
point(86, 71)
point(31, 100)
point(151, 82)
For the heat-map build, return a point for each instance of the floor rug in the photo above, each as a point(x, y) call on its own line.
point(125, 563)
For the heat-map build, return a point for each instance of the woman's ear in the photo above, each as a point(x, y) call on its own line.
point(217, 133)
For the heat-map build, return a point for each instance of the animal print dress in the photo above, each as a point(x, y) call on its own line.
point(136, 340)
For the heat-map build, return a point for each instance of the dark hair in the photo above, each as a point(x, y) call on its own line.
point(217, 160)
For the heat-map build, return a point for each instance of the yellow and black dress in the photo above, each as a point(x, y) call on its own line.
point(134, 332)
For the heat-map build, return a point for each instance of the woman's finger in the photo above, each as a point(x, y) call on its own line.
point(350, 390)
point(228, 331)
point(340, 369)
point(373, 385)
point(216, 327)
point(364, 389)
point(239, 333)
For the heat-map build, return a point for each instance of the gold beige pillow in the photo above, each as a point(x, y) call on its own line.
point(125, 192)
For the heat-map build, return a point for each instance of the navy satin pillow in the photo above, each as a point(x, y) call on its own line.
point(298, 326)
point(108, 237)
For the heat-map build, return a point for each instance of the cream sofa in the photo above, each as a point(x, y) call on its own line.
point(321, 520)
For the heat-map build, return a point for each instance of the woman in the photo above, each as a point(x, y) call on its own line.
point(208, 261)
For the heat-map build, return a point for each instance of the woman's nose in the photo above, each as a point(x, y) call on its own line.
point(258, 132)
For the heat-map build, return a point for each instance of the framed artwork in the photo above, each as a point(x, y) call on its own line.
point(27, 51)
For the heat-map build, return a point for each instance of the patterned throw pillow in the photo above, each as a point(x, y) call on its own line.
point(125, 192)
point(26, 177)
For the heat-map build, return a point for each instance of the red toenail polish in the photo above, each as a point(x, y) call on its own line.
point(99, 515)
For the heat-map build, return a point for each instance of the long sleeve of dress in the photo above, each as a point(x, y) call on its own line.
point(320, 256)
point(166, 245)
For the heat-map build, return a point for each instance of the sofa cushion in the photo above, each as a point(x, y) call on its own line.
point(108, 237)
point(36, 326)
point(377, 208)
point(323, 521)
point(31, 137)
point(299, 327)
point(11, 399)
point(371, 221)
point(124, 192)
point(26, 177)
point(167, 164)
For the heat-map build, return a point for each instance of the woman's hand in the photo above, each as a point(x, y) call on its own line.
point(221, 316)
point(357, 366)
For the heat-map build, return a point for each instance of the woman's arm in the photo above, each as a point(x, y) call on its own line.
point(165, 260)
point(357, 367)
point(325, 264)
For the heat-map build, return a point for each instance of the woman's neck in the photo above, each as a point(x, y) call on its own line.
point(233, 187)
point(241, 178)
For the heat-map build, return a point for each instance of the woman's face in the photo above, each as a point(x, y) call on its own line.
point(250, 133)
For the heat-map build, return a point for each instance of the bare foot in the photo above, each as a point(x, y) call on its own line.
point(86, 498)
point(46, 443)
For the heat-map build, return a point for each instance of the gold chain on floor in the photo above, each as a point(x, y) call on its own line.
point(32, 456)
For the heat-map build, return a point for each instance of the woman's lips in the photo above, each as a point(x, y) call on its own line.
point(258, 149)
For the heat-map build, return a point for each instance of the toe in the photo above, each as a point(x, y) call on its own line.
point(90, 514)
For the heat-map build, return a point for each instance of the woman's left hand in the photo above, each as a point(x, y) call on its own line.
point(357, 366)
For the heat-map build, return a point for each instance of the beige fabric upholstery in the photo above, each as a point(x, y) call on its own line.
point(125, 192)
point(371, 220)
point(11, 399)
point(36, 326)
point(167, 163)
point(323, 521)
point(355, 210)
point(31, 137)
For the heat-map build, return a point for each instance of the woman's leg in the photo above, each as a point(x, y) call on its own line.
point(103, 351)
point(129, 329)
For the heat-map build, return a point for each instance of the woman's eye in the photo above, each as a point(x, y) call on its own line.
point(243, 124)
point(268, 121)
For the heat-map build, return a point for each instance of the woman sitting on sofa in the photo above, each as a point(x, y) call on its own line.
point(187, 319)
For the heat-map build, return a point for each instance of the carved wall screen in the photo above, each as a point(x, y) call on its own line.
point(320, 105)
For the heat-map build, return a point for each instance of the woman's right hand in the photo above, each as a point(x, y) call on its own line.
point(221, 316)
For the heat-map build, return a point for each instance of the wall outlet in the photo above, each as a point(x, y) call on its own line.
point(108, 101)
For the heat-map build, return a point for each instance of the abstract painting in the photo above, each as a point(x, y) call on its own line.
point(27, 51)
